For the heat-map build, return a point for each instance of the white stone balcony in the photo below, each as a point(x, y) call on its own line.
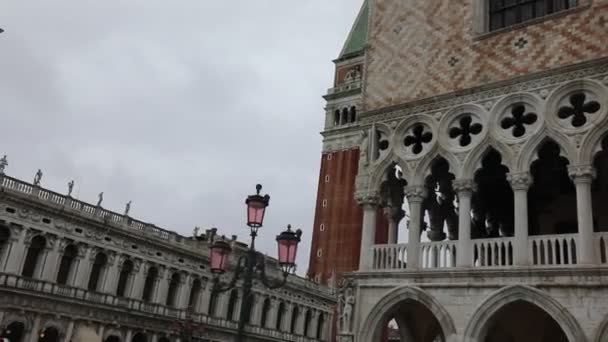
point(542, 251)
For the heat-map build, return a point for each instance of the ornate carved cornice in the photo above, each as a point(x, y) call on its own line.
point(520, 180)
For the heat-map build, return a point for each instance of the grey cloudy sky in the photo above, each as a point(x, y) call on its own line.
point(181, 106)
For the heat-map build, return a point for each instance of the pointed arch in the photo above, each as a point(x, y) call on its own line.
point(473, 161)
point(478, 324)
point(592, 144)
point(529, 152)
point(602, 332)
point(424, 167)
point(373, 322)
point(378, 175)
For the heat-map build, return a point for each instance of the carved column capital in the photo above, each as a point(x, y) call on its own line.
point(464, 185)
point(520, 180)
point(581, 173)
point(415, 193)
point(394, 214)
point(368, 198)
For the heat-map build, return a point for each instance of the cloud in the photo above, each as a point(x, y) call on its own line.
point(180, 106)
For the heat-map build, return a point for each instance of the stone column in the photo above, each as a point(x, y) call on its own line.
point(271, 317)
point(314, 321)
point(111, 279)
point(16, 250)
point(69, 332)
point(415, 195)
point(394, 216)
point(53, 255)
point(85, 253)
point(520, 183)
point(286, 319)
point(34, 332)
point(464, 188)
point(205, 297)
point(583, 176)
point(184, 291)
point(369, 201)
point(139, 268)
point(129, 335)
point(162, 285)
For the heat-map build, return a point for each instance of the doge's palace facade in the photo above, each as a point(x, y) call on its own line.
point(482, 171)
point(73, 271)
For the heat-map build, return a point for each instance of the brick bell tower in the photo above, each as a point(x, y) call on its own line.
point(337, 227)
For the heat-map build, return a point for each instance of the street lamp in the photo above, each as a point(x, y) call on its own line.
point(252, 264)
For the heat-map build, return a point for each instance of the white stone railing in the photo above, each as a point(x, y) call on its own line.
point(553, 250)
point(16, 185)
point(602, 244)
point(389, 257)
point(497, 252)
point(352, 85)
point(10, 281)
point(438, 254)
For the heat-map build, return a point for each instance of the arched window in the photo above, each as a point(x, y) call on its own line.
point(5, 237)
point(353, 114)
point(294, 319)
point(307, 319)
point(320, 326)
point(337, 117)
point(123, 278)
point(280, 314)
point(112, 338)
point(14, 332)
point(195, 293)
point(98, 268)
point(50, 334)
point(139, 337)
point(344, 118)
point(33, 256)
point(66, 265)
point(212, 304)
point(265, 310)
point(173, 287)
point(150, 284)
point(232, 301)
point(248, 307)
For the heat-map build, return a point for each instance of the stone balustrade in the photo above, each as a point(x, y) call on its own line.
point(544, 251)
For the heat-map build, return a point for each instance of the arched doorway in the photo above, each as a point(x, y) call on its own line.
point(112, 338)
point(521, 321)
point(14, 332)
point(140, 337)
point(418, 316)
point(50, 334)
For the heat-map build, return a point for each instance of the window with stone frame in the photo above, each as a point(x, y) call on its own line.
point(505, 13)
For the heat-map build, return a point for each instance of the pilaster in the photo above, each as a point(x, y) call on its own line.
point(16, 250)
point(111, 278)
point(139, 268)
point(84, 265)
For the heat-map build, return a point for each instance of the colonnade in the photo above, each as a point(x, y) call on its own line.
point(581, 175)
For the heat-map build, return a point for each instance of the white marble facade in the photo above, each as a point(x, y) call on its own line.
point(69, 269)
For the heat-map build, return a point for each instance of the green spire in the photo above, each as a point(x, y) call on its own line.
point(358, 35)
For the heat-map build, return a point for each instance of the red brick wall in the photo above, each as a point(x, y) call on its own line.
point(342, 216)
point(423, 48)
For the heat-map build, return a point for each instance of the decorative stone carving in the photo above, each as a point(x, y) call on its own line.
point(346, 305)
point(520, 181)
point(368, 198)
point(581, 173)
point(463, 185)
point(128, 208)
point(38, 178)
point(415, 193)
point(3, 164)
point(99, 199)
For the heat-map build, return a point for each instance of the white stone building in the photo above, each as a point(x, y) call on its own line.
point(71, 271)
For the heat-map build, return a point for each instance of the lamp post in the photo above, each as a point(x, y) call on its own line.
point(186, 329)
point(252, 264)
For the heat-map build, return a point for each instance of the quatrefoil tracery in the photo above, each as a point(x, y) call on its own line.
point(418, 138)
point(579, 107)
point(518, 120)
point(465, 130)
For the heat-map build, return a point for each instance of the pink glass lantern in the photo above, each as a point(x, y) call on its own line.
point(220, 252)
point(256, 206)
point(288, 248)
